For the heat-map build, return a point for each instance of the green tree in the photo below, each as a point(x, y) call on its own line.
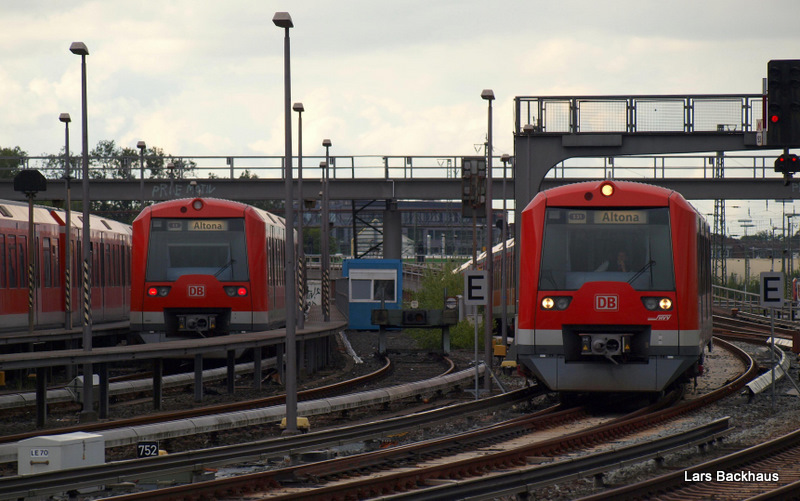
point(11, 161)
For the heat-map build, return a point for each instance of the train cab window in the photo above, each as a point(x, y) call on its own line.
point(607, 245)
point(180, 247)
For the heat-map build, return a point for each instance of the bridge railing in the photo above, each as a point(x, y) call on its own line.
point(735, 165)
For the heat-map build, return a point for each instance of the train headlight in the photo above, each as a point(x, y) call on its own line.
point(556, 303)
point(607, 190)
point(160, 291)
point(657, 303)
point(197, 204)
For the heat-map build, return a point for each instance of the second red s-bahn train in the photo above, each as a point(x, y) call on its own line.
point(614, 288)
point(110, 250)
point(205, 267)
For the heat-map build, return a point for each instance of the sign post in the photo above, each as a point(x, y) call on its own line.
point(475, 294)
point(771, 296)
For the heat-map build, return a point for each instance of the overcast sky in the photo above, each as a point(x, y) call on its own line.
point(378, 78)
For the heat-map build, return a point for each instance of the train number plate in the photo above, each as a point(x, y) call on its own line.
point(196, 291)
point(606, 302)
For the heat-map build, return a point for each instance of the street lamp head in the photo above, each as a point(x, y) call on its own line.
point(323, 164)
point(283, 20)
point(298, 107)
point(64, 117)
point(487, 94)
point(327, 142)
point(79, 48)
point(141, 145)
point(505, 157)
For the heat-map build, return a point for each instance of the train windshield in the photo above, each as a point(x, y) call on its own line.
point(197, 247)
point(607, 245)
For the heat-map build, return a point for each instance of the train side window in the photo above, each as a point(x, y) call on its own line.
point(104, 265)
point(46, 270)
point(2, 261)
point(22, 246)
point(77, 266)
point(95, 260)
point(127, 265)
point(56, 261)
point(13, 267)
point(269, 261)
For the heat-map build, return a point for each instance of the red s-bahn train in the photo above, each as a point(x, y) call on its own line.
point(205, 267)
point(111, 245)
point(614, 288)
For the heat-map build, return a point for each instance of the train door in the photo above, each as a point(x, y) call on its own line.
point(20, 252)
point(95, 253)
point(48, 284)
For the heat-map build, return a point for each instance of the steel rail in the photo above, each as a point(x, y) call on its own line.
point(309, 394)
point(470, 467)
point(61, 481)
point(525, 480)
point(675, 483)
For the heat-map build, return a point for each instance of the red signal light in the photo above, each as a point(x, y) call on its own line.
point(774, 118)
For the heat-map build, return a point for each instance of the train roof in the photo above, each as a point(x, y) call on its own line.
point(161, 209)
point(624, 194)
point(16, 211)
point(482, 255)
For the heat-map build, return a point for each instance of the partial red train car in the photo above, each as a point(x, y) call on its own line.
point(614, 288)
point(111, 246)
point(497, 282)
point(205, 267)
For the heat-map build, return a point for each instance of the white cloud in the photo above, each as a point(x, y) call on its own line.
point(206, 78)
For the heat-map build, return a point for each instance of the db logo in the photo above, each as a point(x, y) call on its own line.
point(606, 302)
point(196, 291)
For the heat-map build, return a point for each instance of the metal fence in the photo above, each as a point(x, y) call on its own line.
point(642, 114)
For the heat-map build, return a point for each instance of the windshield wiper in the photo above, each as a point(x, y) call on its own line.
point(642, 270)
point(224, 267)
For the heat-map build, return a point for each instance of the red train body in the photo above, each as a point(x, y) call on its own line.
point(204, 267)
point(111, 245)
point(614, 288)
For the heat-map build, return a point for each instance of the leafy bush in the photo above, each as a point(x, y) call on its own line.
point(431, 296)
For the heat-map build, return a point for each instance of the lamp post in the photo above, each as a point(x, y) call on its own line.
point(325, 234)
point(141, 145)
point(488, 95)
point(87, 414)
point(284, 20)
point(64, 117)
point(301, 254)
point(503, 264)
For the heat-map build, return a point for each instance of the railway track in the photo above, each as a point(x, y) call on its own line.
point(309, 394)
point(766, 471)
point(277, 447)
point(287, 483)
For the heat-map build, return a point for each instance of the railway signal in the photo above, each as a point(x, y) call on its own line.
point(787, 164)
point(783, 102)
